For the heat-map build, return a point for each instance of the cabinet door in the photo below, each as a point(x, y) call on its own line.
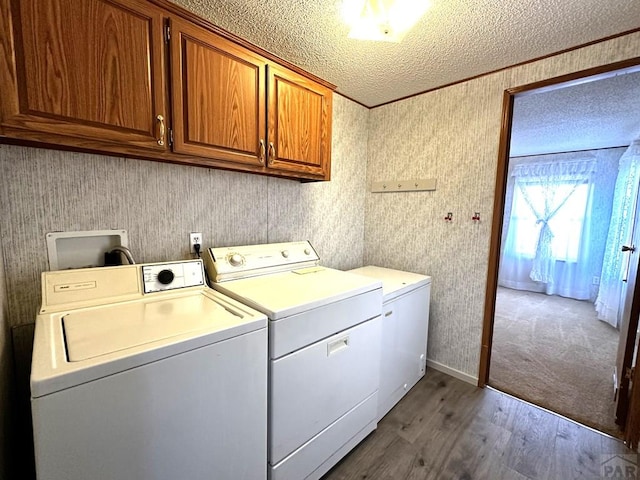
point(299, 124)
point(76, 71)
point(218, 96)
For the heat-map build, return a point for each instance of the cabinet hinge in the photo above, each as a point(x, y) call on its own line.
point(171, 136)
point(629, 372)
point(167, 33)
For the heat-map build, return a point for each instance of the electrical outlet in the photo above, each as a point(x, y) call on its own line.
point(596, 280)
point(193, 239)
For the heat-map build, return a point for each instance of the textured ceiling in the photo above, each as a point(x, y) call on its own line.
point(455, 40)
point(599, 114)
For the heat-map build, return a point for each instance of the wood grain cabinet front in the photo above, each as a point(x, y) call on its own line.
point(299, 123)
point(218, 96)
point(76, 72)
point(233, 104)
point(99, 75)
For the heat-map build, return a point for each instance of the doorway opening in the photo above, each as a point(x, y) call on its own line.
point(557, 203)
point(553, 352)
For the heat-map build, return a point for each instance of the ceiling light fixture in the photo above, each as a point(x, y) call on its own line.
point(382, 20)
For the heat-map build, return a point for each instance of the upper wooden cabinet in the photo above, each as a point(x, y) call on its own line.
point(100, 75)
point(91, 69)
point(218, 96)
point(299, 123)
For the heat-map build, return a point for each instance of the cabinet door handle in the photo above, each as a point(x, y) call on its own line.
point(262, 151)
point(272, 153)
point(163, 130)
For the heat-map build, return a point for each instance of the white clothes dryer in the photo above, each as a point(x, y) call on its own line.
point(143, 372)
point(324, 350)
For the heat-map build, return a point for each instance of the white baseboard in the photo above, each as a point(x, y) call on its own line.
point(465, 377)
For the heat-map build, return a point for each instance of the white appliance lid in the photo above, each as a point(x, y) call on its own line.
point(394, 282)
point(117, 345)
point(283, 294)
point(100, 331)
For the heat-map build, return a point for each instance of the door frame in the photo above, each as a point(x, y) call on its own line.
point(499, 206)
point(629, 324)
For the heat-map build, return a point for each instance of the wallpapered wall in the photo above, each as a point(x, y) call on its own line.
point(159, 204)
point(452, 134)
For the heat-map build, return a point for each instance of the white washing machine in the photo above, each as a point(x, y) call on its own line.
point(405, 325)
point(143, 372)
point(324, 350)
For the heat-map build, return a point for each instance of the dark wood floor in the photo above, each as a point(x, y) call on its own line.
point(447, 429)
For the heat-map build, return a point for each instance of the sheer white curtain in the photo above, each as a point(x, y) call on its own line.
point(614, 265)
point(547, 242)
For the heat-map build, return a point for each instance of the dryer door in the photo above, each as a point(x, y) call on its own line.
point(316, 385)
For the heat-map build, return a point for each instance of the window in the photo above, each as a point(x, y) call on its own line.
point(565, 225)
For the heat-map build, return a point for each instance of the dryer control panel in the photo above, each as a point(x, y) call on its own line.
point(231, 263)
point(170, 276)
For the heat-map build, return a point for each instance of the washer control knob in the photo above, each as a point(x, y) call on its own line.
point(285, 253)
point(235, 259)
point(307, 251)
point(165, 277)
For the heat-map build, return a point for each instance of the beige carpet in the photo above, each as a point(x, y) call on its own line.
point(554, 352)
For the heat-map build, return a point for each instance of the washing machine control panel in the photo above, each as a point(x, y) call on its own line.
point(170, 276)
